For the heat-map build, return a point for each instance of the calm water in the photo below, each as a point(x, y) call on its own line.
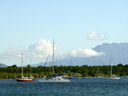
point(78, 87)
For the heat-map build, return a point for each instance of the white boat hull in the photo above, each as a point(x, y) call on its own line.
point(50, 80)
point(114, 77)
point(54, 79)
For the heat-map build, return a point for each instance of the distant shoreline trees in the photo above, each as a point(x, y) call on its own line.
point(13, 71)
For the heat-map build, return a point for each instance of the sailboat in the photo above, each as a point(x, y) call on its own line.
point(54, 78)
point(24, 79)
point(99, 76)
point(112, 76)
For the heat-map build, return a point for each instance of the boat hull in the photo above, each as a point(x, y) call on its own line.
point(114, 77)
point(25, 80)
point(53, 80)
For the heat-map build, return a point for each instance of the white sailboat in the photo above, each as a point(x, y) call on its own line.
point(54, 78)
point(113, 76)
point(99, 76)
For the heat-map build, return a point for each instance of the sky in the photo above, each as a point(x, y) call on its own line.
point(77, 26)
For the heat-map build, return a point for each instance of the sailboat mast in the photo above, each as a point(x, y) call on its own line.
point(22, 64)
point(53, 59)
point(70, 62)
point(98, 71)
point(30, 66)
point(111, 66)
point(111, 70)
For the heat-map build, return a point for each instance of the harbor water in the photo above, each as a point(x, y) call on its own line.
point(77, 87)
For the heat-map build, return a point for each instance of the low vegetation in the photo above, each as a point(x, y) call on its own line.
point(80, 71)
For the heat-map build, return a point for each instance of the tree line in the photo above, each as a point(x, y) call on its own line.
point(13, 71)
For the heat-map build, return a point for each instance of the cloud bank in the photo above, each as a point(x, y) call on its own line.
point(79, 53)
point(37, 51)
point(95, 36)
point(40, 50)
point(85, 53)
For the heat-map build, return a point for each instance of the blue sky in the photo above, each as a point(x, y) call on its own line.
point(25, 23)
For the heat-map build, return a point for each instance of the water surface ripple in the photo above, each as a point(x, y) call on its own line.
point(77, 87)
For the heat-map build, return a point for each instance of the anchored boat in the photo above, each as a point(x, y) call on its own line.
point(24, 79)
point(54, 78)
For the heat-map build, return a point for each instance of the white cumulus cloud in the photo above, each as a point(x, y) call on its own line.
point(11, 53)
point(95, 36)
point(85, 53)
point(79, 53)
point(38, 51)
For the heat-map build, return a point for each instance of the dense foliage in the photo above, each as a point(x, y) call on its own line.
point(80, 71)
